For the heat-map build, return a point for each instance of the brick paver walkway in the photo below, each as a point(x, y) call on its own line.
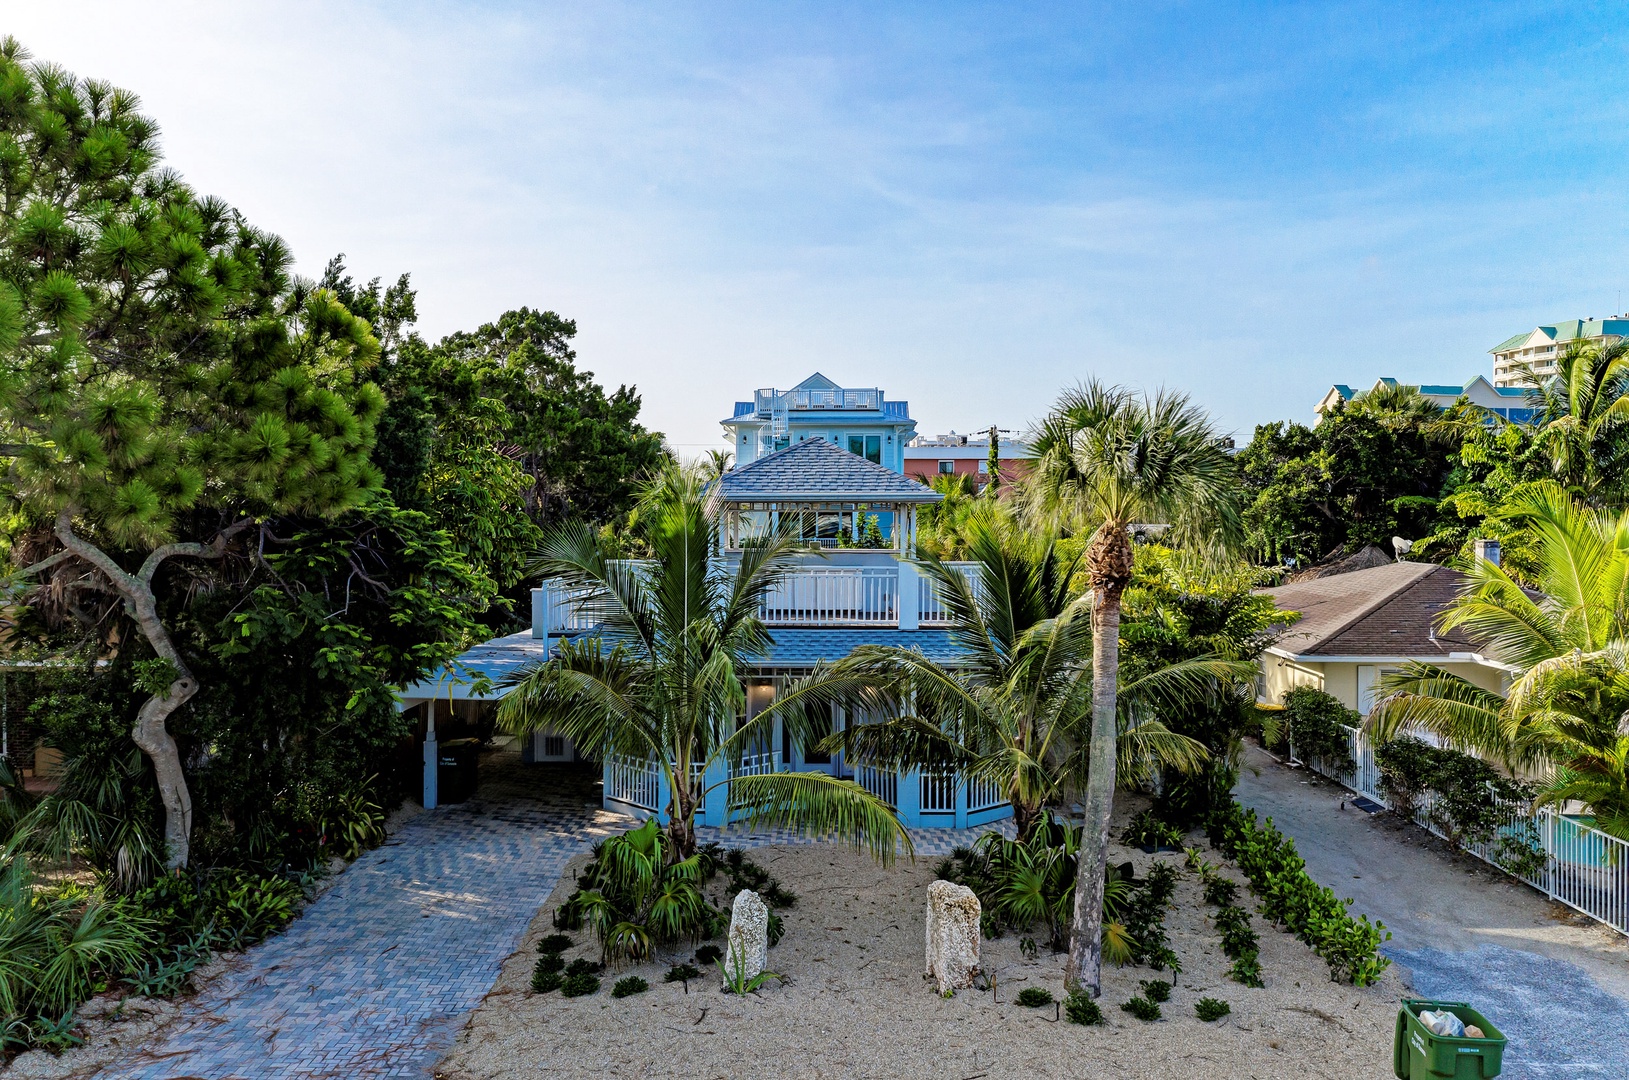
point(374, 979)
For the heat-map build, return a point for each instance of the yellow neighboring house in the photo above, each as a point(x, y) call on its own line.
point(1357, 626)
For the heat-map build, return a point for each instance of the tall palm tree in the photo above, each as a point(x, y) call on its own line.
point(1583, 418)
point(1568, 647)
point(1105, 459)
point(663, 678)
point(716, 464)
point(1015, 708)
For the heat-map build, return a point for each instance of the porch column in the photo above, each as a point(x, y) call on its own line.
point(431, 755)
point(716, 804)
point(963, 791)
point(908, 798)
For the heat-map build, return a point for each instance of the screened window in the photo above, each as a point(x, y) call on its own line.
point(947, 467)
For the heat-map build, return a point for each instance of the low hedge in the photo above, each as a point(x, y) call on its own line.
point(1292, 900)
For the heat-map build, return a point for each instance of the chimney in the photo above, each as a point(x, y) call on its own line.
point(1487, 549)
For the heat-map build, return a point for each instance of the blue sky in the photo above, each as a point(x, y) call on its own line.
point(968, 205)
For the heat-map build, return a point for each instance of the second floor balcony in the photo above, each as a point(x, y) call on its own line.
point(889, 593)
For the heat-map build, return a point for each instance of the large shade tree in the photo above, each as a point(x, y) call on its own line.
point(164, 382)
point(664, 678)
point(1107, 458)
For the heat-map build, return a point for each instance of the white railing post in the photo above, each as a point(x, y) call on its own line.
point(911, 586)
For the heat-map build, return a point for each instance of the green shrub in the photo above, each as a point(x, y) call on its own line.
point(1470, 795)
point(1291, 899)
point(709, 955)
point(551, 963)
point(1142, 1008)
point(1033, 997)
point(1157, 990)
point(775, 929)
point(681, 973)
point(583, 966)
point(579, 985)
point(1209, 1008)
point(634, 900)
point(1315, 724)
point(1081, 1009)
point(555, 943)
point(1148, 831)
point(545, 982)
point(1237, 937)
point(628, 986)
point(1221, 891)
point(1246, 970)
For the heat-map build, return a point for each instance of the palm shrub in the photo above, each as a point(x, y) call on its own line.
point(56, 946)
point(1015, 709)
point(1024, 882)
point(1106, 459)
point(635, 898)
point(663, 679)
point(1569, 647)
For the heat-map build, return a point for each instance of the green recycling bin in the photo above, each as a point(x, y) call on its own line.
point(1418, 1053)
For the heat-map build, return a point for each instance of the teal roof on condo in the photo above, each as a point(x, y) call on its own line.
point(1569, 330)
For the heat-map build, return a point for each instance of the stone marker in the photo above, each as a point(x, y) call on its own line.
point(746, 951)
point(953, 935)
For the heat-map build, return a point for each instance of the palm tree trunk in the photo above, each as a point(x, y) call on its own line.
point(681, 822)
point(1024, 817)
point(1110, 561)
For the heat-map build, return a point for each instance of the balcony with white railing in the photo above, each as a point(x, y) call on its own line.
point(768, 401)
point(883, 592)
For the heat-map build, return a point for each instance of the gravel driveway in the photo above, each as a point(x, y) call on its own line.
point(1555, 982)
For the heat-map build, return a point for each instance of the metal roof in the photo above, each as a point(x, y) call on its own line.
point(815, 470)
point(793, 648)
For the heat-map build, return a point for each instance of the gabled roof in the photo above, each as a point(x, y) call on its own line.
point(815, 470)
point(1385, 611)
point(817, 381)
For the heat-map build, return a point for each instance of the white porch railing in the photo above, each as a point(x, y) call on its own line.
point(982, 794)
point(938, 792)
point(1582, 867)
point(757, 764)
point(632, 781)
point(834, 596)
point(930, 607)
point(883, 783)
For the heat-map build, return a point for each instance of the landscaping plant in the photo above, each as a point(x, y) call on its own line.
point(1142, 1008)
point(1156, 990)
point(1209, 1008)
point(1079, 1008)
point(665, 679)
point(635, 898)
point(1033, 997)
point(629, 985)
point(1291, 899)
point(1106, 458)
point(1314, 727)
point(579, 985)
point(682, 973)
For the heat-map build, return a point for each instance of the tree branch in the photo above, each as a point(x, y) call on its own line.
point(212, 550)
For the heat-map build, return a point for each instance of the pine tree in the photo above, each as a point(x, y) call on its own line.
point(164, 383)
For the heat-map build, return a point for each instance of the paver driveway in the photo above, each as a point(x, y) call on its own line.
point(374, 979)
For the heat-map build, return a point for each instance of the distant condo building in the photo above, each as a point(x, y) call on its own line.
point(1540, 347)
point(1509, 403)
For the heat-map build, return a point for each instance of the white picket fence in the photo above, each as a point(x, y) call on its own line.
point(1583, 867)
point(632, 781)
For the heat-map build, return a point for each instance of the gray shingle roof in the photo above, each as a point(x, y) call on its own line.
point(815, 470)
point(1383, 611)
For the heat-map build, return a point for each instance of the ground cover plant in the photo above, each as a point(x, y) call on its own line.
point(1079, 1008)
point(1209, 1008)
point(1034, 997)
point(1142, 1008)
point(628, 986)
point(1293, 901)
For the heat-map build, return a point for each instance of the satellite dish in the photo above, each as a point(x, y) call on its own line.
point(1401, 546)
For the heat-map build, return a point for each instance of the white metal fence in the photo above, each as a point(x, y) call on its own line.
point(851, 596)
point(1560, 855)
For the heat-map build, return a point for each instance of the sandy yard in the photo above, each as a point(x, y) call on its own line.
point(855, 1003)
